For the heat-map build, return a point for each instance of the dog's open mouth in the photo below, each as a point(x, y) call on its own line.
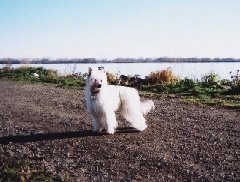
point(95, 92)
point(95, 89)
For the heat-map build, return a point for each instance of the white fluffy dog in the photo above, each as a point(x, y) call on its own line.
point(103, 100)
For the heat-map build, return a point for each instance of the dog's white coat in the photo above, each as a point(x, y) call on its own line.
point(102, 102)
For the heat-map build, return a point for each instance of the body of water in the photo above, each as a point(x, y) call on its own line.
point(182, 70)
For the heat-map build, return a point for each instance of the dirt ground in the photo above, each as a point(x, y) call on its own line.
point(46, 131)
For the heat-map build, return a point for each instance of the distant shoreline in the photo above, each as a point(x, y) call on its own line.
point(118, 60)
point(125, 62)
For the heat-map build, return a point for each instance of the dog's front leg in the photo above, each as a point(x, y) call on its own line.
point(111, 122)
point(96, 125)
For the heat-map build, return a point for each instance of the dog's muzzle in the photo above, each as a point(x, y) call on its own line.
point(95, 89)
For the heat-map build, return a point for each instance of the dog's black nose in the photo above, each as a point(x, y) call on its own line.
point(99, 86)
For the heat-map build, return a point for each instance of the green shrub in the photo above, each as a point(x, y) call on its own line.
point(210, 79)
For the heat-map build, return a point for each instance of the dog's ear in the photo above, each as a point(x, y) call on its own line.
point(89, 71)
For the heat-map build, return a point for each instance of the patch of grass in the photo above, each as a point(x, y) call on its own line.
point(64, 82)
point(9, 174)
point(207, 91)
point(182, 86)
point(222, 100)
point(26, 74)
point(25, 171)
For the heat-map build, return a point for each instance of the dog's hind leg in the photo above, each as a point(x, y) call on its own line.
point(136, 120)
point(139, 123)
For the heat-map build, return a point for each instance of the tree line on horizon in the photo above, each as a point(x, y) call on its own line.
point(117, 60)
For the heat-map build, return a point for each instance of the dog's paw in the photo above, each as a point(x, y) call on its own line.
point(98, 129)
point(141, 128)
point(95, 131)
point(110, 131)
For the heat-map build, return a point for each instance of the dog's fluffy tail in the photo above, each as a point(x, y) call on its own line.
point(147, 106)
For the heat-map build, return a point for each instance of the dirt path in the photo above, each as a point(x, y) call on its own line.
point(46, 133)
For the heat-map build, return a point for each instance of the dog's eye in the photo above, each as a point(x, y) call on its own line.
point(101, 80)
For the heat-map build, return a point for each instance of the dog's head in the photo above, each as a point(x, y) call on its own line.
point(96, 79)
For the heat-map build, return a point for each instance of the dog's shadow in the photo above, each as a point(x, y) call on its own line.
point(53, 136)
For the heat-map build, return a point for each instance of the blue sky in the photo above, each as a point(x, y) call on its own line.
point(119, 28)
